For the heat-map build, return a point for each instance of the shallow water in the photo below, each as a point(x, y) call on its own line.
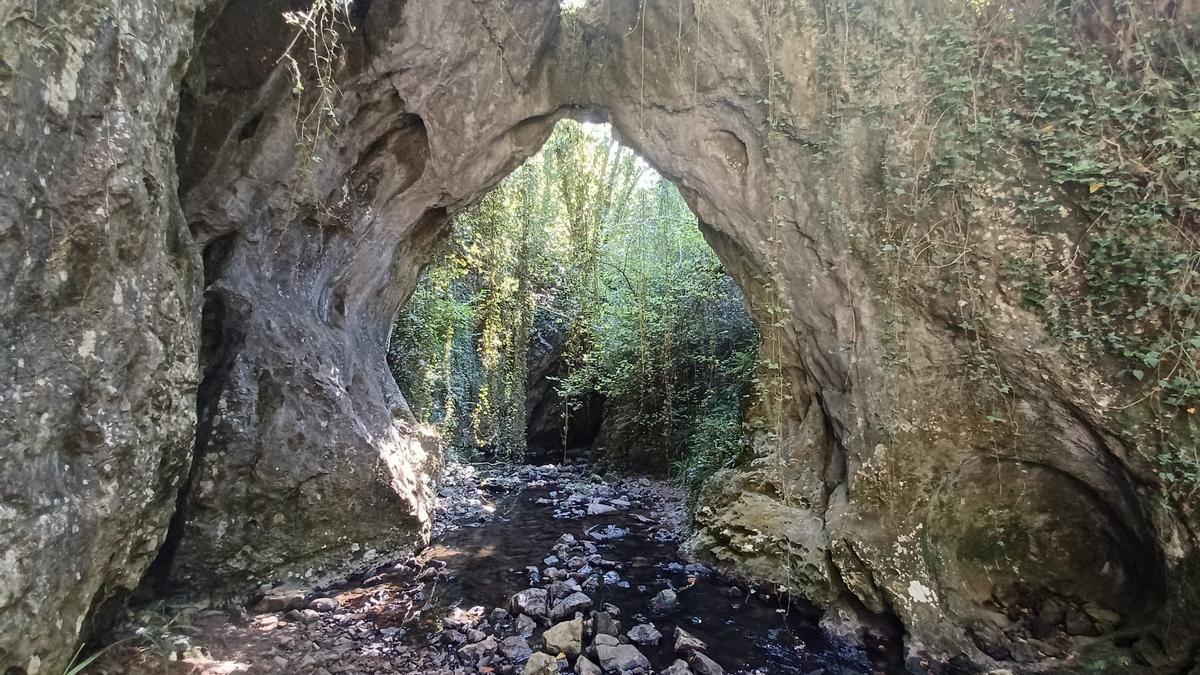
point(745, 632)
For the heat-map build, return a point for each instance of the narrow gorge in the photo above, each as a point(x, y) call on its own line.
point(963, 237)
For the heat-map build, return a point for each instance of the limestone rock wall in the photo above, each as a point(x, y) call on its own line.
point(315, 221)
point(99, 311)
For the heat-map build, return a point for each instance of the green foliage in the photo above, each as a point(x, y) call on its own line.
point(582, 238)
point(431, 353)
point(671, 332)
point(79, 665)
point(1104, 138)
point(717, 440)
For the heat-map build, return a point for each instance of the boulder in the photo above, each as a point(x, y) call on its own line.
point(681, 668)
point(531, 602)
point(565, 638)
point(540, 664)
point(472, 652)
point(515, 648)
point(575, 602)
point(702, 665)
point(686, 643)
point(621, 658)
point(584, 666)
point(644, 634)
point(665, 602)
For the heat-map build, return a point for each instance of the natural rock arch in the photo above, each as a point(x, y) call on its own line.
point(304, 445)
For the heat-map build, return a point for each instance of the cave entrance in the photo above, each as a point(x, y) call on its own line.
point(576, 314)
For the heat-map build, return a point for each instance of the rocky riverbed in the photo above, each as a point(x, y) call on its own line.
point(532, 571)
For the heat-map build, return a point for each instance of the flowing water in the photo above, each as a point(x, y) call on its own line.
point(746, 632)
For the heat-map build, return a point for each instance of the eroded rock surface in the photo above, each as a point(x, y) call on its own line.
point(314, 218)
point(99, 311)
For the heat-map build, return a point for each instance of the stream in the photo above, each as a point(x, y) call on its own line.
point(517, 554)
point(632, 527)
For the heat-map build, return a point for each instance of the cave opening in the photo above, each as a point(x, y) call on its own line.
point(576, 314)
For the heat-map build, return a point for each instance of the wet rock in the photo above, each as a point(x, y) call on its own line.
point(606, 532)
point(575, 602)
point(681, 668)
point(475, 651)
point(664, 603)
point(280, 600)
point(702, 665)
point(604, 624)
point(990, 640)
point(1106, 620)
point(607, 640)
point(1078, 623)
point(515, 649)
point(1022, 651)
point(540, 664)
point(324, 604)
point(584, 666)
point(685, 642)
point(565, 638)
point(525, 625)
point(600, 509)
point(644, 634)
point(621, 658)
point(531, 601)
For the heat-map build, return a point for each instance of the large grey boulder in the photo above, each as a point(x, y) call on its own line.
point(621, 658)
point(564, 638)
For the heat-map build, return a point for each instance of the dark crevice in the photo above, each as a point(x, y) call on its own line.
point(250, 128)
point(220, 339)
